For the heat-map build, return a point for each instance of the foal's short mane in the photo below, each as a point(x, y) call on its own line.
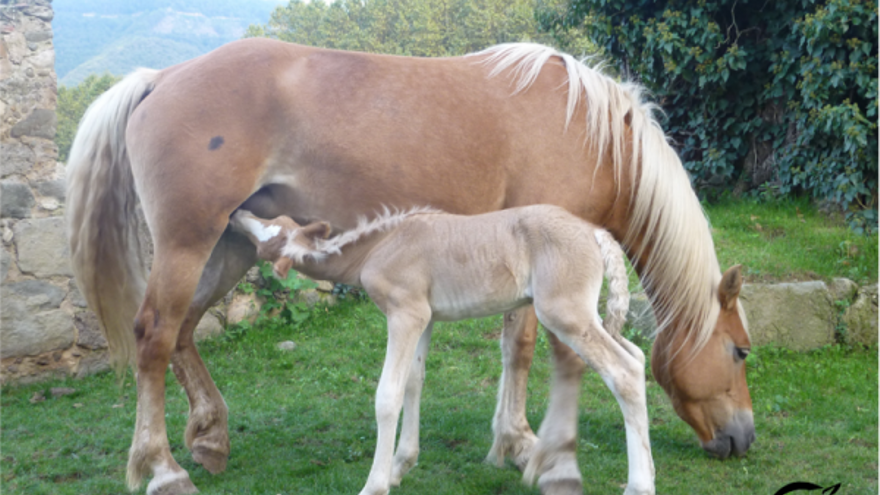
point(681, 274)
point(383, 222)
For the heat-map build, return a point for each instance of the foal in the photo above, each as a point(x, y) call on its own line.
point(424, 265)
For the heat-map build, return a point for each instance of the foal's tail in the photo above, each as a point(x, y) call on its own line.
point(101, 218)
point(618, 286)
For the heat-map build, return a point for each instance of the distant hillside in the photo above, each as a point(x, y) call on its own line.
point(97, 36)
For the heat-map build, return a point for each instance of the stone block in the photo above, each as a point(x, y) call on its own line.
point(25, 330)
point(39, 295)
point(798, 316)
point(88, 332)
point(5, 261)
point(16, 199)
point(42, 247)
point(242, 307)
point(861, 317)
point(640, 315)
point(16, 158)
point(55, 188)
point(209, 326)
point(40, 123)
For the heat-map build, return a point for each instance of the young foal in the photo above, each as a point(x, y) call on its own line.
point(425, 265)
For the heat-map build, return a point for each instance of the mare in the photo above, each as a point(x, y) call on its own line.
point(423, 266)
point(278, 128)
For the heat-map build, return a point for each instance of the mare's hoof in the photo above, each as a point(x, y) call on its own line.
point(179, 486)
point(561, 487)
point(212, 460)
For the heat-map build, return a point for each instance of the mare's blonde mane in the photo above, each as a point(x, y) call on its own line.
point(681, 273)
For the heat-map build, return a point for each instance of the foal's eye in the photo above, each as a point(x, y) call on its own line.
point(742, 353)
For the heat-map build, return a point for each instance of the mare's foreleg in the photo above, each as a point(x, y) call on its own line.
point(405, 326)
point(206, 434)
point(170, 290)
point(513, 435)
point(407, 453)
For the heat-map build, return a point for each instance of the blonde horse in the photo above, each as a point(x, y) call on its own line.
point(424, 266)
point(310, 133)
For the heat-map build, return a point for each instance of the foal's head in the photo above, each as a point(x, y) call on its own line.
point(708, 389)
point(301, 242)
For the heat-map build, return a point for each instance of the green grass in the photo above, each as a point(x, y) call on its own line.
point(302, 421)
point(790, 240)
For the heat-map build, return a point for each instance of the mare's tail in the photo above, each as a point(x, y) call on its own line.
point(101, 217)
point(618, 286)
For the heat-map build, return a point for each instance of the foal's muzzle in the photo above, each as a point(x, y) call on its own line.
point(735, 438)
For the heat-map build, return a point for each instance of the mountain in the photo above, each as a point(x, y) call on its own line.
point(98, 36)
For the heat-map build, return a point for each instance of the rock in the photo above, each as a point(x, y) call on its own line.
point(42, 247)
point(37, 294)
point(16, 199)
point(38, 35)
point(798, 316)
point(861, 317)
point(56, 188)
point(209, 326)
point(40, 123)
point(15, 158)
point(287, 345)
point(75, 296)
point(640, 315)
point(842, 289)
point(5, 260)
point(24, 332)
point(242, 307)
point(88, 331)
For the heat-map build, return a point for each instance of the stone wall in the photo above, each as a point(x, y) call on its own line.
point(797, 315)
point(44, 327)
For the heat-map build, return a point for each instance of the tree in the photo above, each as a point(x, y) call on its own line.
point(72, 104)
point(773, 97)
point(403, 27)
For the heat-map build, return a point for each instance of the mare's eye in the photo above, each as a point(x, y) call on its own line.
point(742, 353)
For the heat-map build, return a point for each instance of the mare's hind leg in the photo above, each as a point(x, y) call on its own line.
point(623, 373)
point(513, 435)
point(177, 267)
point(557, 436)
point(407, 453)
point(206, 433)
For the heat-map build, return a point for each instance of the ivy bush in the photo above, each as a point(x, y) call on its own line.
point(771, 98)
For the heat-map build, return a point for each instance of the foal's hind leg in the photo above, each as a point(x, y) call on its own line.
point(622, 373)
point(207, 434)
point(172, 283)
point(513, 435)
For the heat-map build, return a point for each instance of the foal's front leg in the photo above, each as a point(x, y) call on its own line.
point(408, 445)
point(404, 329)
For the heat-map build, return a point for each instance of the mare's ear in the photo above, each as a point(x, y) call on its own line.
point(731, 283)
point(315, 231)
point(281, 267)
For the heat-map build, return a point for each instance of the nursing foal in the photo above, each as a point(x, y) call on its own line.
point(424, 265)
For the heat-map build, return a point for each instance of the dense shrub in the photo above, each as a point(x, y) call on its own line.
point(770, 97)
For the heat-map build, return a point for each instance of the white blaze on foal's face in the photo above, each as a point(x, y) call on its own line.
point(260, 230)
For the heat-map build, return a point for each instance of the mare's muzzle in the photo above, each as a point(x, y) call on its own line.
point(735, 438)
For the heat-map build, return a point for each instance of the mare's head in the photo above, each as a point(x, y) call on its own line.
point(707, 384)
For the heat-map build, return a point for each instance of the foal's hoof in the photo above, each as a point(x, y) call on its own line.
point(211, 459)
point(177, 486)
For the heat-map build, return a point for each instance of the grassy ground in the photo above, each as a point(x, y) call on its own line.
point(790, 240)
point(302, 421)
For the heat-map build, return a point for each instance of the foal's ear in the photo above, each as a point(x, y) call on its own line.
point(282, 267)
point(731, 283)
point(315, 231)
